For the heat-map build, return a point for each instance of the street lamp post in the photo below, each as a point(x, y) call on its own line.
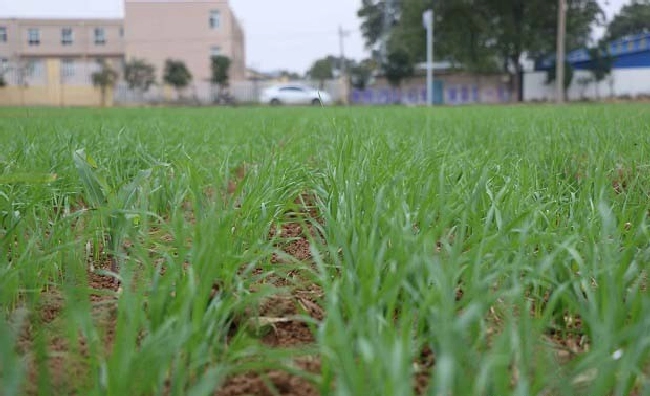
point(427, 19)
point(560, 55)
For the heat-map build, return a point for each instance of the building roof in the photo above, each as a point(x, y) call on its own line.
point(629, 52)
point(64, 21)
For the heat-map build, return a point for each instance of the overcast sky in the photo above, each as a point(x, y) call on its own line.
point(280, 34)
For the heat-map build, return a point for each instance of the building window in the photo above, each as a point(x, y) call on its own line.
point(33, 37)
point(3, 34)
point(215, 19)
point(100, 36)
point(34, 68)
point(215, 51)
point(121, 31)
point(67, 67)
point(4, 65)
point(66, 37)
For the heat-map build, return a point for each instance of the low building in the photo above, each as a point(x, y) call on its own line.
point(450, 86)
point(630, 76)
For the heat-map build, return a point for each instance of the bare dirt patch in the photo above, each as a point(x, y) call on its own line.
point(423, 368)
point(63, 360)
point(299, 298)
point(273, 382)
point(292, 314)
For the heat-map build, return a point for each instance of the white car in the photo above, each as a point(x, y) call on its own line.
point(294, 94)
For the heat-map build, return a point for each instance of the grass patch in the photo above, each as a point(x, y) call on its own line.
point(334, 251)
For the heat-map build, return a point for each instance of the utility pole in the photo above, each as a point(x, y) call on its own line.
point(561, 51)
point(343, 34)
point(427, 19)
point(388, 14)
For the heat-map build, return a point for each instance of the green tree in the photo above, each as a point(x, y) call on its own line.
point(139, 74)
point(461, 33)
point(480, 35)
point(361, 72)
point(3, 71)
point(176, 74)
point(290, 75)
point(104, 78)
point(600, 64)
point(632, 18)
point(322, 70)
point(219, 67)
point(372, 14)
point(398, 66)
point(568, 76)
point(516, 27)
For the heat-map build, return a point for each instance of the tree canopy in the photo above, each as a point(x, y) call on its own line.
point(321, 70)
point(568, 76)
point(632, 18)
point(290, 75)
point(139, 74)
point(103, 78)
point(220, 66)
point(600, 64)
point(176, 74)
point(361, 73)
point(398, 66)
point(479, 35)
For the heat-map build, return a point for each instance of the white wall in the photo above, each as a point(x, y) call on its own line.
point(203, 92)
point(622, 82)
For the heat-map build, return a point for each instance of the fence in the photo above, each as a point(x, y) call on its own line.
point(51, 82)
point(621, 83)
point(25, 73)
point(58, 82)
point(451, 89)
point(454, 89)
point(205, 93)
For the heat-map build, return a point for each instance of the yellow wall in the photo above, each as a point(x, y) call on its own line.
point(53, 93)
point(83, 95)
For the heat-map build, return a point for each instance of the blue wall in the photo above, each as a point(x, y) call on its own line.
point(388, 95)
point(451, 94)
point(632, 52)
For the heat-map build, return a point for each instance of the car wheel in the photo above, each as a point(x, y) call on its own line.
point(275, 102)
point(316, 102)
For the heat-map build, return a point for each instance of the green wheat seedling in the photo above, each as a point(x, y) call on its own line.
point(115, 206)
point(485, 250)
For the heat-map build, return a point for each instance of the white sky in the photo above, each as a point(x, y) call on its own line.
point(280, 34)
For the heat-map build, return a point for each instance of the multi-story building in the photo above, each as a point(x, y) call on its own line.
point(190, 30)
point(75, 42)
point(154, 30)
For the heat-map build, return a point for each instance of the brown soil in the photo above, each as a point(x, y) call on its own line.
point(297, 298)
point(281, 382)
point(423, 366)
point(301, 299)
point(66, 362)
point(290, 313)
